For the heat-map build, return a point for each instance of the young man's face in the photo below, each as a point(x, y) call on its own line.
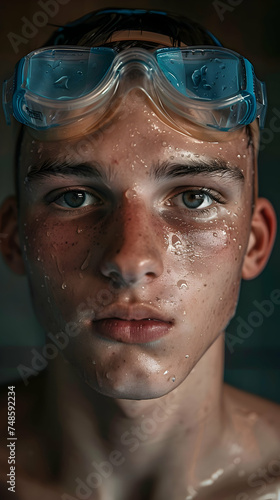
point(139, 245)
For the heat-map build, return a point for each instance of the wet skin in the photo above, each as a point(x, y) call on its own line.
point(174, 243)
point(137, 241)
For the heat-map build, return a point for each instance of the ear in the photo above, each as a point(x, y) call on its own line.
point(9, 236)
point(262, 236)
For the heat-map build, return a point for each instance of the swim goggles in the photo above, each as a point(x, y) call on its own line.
point(61, 85)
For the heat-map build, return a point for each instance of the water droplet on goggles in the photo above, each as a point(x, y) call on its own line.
point(62, 82)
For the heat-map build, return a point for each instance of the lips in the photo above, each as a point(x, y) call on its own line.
point(133, 325)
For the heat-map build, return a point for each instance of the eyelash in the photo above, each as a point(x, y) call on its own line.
point(78, 190)
point(196, 211)
point(214, 195)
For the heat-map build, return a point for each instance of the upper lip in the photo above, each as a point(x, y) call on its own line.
point(132, 312)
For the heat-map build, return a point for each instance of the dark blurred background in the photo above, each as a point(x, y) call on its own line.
point(248, 26)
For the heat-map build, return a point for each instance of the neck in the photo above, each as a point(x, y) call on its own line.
point(134, 435)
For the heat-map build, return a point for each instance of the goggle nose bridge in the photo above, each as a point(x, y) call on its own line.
point(137, 73)
point(132, 70)
point(127, 65)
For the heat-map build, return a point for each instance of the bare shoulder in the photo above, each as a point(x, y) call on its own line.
point(254, 407)
point(249, 449)
point(256, 421)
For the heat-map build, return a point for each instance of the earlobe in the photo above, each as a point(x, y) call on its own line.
point(9, 236)
point(262, 236)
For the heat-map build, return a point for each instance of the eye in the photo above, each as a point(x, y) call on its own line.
point(194, 199)
point(76, 199)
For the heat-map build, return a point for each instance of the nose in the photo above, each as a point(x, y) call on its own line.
point(133, 253)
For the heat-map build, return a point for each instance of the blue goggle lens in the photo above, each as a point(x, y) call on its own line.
point(211, 86)
point(56, 74)
point(198, 76)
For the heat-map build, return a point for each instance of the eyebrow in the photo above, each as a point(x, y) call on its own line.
point(52, 168)
point(197, 166)
point(159, 171)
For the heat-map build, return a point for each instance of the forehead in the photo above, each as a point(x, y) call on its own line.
point(158, 39)
point(136, 137)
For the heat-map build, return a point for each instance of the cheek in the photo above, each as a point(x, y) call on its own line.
point(205, 263)
point(215, 243)
point(57, 255)
point(60, 247)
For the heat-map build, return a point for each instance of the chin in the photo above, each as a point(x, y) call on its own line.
point(131, 393)
point(127, 385)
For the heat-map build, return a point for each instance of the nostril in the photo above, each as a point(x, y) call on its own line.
point(116, 277)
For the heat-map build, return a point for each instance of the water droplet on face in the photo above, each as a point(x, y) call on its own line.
point(130, 194)
point(187, 356)
point(182, 284)
point(63, 286)
point(85, 264)
point(234, 239)
point(215, 235)
point(173, 379)
point(206, 482)
point(217, 474)
point(192, 495)
point(239, 247)
point(176, 240)
point(165, 373)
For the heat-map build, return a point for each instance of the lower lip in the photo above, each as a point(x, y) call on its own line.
point(133, 331)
